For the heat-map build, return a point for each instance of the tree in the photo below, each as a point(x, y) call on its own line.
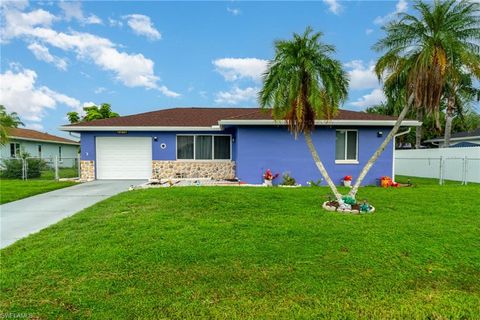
point(7, 121)
point(418, 54)
point(93, 113)
point(304, 83)
point(460, 92)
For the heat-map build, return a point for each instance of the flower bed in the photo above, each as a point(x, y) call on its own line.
point(348, 205)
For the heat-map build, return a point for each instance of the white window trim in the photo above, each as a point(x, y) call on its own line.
point(194, 147)
point(349, 161)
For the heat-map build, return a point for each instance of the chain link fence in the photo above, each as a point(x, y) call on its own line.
point(40, 169)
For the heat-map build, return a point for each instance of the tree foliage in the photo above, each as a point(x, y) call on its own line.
point(7, 121)
point(93, 113)
point(423, 53)
point(303, 82)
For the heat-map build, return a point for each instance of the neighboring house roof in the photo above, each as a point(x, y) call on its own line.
point(213, 118)
point(459, 136)
point(33, 135)
point(464, 144)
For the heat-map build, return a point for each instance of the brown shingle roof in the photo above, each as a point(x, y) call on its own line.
point(28, 134)
point(206, 117)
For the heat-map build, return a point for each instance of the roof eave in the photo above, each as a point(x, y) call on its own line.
point(453, 139)
point(138, 128)
point(43, 140)
point(409, 123)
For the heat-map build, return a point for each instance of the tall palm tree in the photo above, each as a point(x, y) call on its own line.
point(304, 83)
point(7, 121)
point(419, 51)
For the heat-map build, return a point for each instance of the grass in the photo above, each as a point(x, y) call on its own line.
point(231, 252)
point(62, 173)
point(12, 190)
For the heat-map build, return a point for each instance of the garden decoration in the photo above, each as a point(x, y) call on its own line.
point(348, 204)
point(386, 182)
point(268, 177)
point(347, 181)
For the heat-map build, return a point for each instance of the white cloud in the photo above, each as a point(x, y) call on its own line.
point(73, 10)
point(34, 126)
point(114, 22)
point(234, 11)
point(18, 93)
point(237, 95)
point(401, 6)
point(368, 31)
point(236, 68)
point(133, 70)
point(143, 26)
point(333, 5)
point(373, 98)
point(361, 76)
point(42, 53)
point(18, 23)
point(100, 90)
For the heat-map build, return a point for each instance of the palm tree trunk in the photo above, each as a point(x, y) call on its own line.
point(380, 149)
point(320, 166)
point(448, 122)
point(419, 130)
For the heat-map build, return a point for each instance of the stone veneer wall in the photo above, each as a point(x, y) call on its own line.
point(193, 169)
point(87, 170)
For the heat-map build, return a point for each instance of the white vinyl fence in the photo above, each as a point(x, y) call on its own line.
point(457, 164)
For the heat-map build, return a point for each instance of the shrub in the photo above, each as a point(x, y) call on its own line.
point(288, 180)
point(12, 168)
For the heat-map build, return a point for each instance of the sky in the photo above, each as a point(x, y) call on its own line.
point(59, 56)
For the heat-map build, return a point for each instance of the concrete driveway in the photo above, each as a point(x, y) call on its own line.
point(20, 218)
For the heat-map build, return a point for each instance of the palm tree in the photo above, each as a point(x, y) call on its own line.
point(7, 121)
point(420, 51)
point(304, 83)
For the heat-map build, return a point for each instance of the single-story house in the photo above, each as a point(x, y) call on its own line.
point(459, 139)
point(40, 145)
point(227, 143)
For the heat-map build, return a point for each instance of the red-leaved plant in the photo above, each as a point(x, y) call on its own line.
point(268, 175)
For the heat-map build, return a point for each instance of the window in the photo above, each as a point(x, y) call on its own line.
point(204, 147)
point(14, 150)
point(346, 150)
point(40, 151)
point(60, 153)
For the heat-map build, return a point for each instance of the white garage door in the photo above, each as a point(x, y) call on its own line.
point(124, 157)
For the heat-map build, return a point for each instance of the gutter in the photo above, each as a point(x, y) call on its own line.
point(393, 153)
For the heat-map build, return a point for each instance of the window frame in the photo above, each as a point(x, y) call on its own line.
point(39, 151)
point(195, 146)
point(16, 148)
point(345, 160)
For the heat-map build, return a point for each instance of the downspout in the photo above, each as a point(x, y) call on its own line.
point(394, 146)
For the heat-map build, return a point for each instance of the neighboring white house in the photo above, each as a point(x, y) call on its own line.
point(40, 145)
point(459, 139)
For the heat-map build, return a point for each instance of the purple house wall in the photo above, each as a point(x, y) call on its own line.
point(257, 148)
point(274, 148)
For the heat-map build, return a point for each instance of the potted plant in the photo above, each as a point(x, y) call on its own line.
point(347, 181)
point(268, 177)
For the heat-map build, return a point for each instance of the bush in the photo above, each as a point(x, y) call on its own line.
point(12, 168)
point(288, 180)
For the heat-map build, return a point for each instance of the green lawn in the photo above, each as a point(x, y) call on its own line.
point(62, 173)
point(230, 252)
point(11, 190)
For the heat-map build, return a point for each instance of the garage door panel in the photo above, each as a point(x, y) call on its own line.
point(124, 157)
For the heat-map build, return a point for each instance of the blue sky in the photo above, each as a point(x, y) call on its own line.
point(142, 56)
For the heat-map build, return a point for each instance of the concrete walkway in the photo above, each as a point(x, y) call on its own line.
point(20, 218)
